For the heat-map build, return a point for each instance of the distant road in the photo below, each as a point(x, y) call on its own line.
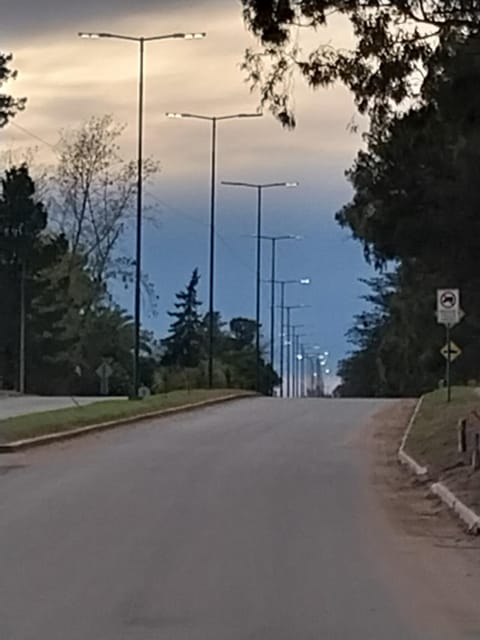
point(20, 405)
point(246, 521)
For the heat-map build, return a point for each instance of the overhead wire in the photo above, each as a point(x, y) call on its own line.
point(174, 209)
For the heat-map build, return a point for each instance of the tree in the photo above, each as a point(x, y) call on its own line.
point(243, 332)
point(9, 106)
point(22, 220)
point(415, 205)
point(420, 172)
point(94, 190)
point(184, 347)
point(395, 41)
point(51, 314)
point(240, 359)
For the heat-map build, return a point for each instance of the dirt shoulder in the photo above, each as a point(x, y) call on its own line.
point(433, 441)
point(432, 565)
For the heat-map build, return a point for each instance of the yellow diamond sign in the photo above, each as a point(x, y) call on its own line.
point(455, 351)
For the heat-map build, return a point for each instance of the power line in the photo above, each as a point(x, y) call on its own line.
point(172, 208)
point(33, 135)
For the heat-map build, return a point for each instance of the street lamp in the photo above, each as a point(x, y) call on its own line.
point(140, 40)
point(213, 120)
point(259, 188)
point(296, 357)
point(289, 308)
point(283, 284)
point(272, 281)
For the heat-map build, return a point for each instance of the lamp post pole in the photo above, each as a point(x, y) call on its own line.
point(140, 40)
point(288, 309)
point(211, 266)
point(138, 249)
point(257, 287)
point(213, 182)
point(259, 188)
point(283, 284)
point(296, 359)
point(272, 303)
point(303, 373)
point(282, 334)
point(273, 282)
point(288, 351)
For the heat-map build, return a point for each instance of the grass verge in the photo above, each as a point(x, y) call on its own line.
point(433, 441)
point(47, 422)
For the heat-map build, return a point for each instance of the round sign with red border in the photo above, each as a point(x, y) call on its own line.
point(448, 299)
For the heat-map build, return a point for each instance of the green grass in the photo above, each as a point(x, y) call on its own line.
point(433, 438)
point(37, 424)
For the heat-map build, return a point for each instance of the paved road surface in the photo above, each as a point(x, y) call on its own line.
point(20, 405)
point(240, 522)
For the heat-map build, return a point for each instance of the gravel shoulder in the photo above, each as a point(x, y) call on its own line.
point(433, 564)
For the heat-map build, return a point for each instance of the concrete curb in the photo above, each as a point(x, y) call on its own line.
point(403, 457)
point(417, 469)
point(467, 515)
point(61, 436)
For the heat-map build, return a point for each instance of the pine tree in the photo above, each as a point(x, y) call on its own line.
point(22, 220)
point(184, 345)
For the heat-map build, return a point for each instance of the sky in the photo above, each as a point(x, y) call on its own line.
point(67, 80)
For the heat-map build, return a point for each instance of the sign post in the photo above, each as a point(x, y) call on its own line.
point(449, 314)
point(448, 365)
point(104, 372)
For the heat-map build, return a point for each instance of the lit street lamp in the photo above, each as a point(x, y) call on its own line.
point(274, 240)
point(259, 188)
point(289, 308)
point(213, 120)
point(283, 284)
point(296, 359)
point(140, 40)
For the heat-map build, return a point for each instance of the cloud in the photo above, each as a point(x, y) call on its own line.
point(35, 19)
point(67, 80)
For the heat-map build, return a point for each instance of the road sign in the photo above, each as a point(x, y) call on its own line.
point(104, 372)
point(453, 352)
point(450, 318)
point(448, 307)
point(448, 299)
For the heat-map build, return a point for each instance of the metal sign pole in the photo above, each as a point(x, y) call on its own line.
point(448, 369)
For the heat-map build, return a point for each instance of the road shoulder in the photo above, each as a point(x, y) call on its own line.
point(433, 565)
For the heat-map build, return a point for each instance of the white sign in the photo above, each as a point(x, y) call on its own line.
point(448, 299)
point(448, 307)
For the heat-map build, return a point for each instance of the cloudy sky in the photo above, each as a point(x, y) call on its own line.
point(67, 80)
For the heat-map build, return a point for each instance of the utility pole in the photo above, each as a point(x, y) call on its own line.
point(21, 368)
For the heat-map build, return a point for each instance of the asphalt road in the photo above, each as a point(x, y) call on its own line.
point(11, 406)
point(240, 522)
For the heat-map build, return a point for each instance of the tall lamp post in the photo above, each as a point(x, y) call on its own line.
point(301, 366)
point(294, 356)
point(259, 188)
point(141, 41)
point(213, 166)
point(283, 284)
point(289, 308)
point(272, 282)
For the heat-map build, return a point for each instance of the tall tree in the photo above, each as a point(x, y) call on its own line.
point(394, 41)
point(415, 205)
point(94, 190)
point(9, 106)
point(22, 219)
point(184, 346)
